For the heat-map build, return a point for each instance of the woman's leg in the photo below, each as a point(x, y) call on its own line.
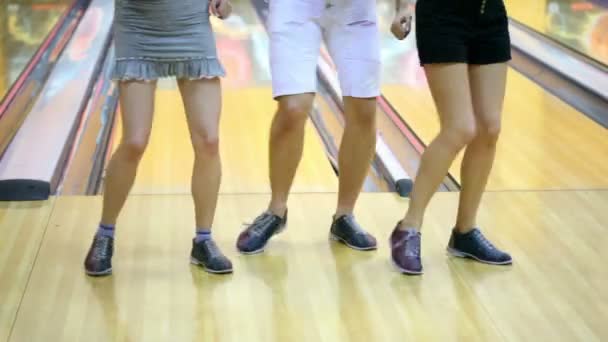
point(449, 84)
point(202, 102)
point(137, 108)
point(487, 84)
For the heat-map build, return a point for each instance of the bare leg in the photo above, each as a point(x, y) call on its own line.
point(356, 150)
point(449, 85)
point(286, 145)
point(202, 102)
point(487, 84)
point(137, 108)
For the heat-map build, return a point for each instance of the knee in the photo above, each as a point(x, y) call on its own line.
point(134, 147)
point(361, 112)
point(489, 132)
point(460, 135)
point(292, 114)
point(206, 146)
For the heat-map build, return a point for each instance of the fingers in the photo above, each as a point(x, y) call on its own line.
point(213, 7)
point(398, 30)
point(226, 9)
point(401, 27)
point(220, 8)
point(406, 24)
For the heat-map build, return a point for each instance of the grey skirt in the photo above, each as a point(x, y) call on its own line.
point(163, 38)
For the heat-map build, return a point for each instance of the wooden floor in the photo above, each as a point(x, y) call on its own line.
point(304, 288)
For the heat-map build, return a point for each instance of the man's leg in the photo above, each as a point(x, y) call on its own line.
point(286, 145)
point(354, 46)
point(356, 150)
point(294, 48)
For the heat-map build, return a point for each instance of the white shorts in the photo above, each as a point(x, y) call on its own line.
point(349, 29)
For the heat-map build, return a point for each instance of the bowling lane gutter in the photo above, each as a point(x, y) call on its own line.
point(35, 160)
point(571, 76)
point(83, 172)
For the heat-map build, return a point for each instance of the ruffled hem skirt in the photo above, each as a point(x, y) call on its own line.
point(164, 38)
point(148, 69)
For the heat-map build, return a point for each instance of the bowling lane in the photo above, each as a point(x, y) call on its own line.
point(247, 112)
point(580, 24)
point(23, 27)
point(545, 143)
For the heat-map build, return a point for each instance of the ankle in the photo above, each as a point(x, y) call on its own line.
point(202, 234)
point(279, 209)
point(342, 212)
point(106, 230)
point(463, 229)
point(406, 225)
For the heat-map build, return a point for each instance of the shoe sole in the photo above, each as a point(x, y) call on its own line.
point(100, 273)
point(460, 254)
point(200, 264)
point(405, 271)
point(336, 238)
point(261, 249)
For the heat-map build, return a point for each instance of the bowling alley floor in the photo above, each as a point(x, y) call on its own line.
point(548, 208)
point(304, 288)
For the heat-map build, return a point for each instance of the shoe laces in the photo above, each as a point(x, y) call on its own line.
point(412, 244)
point(100, 248)
point(212, 248)
point(260, 222)
point(483, 240)
point(350, 219)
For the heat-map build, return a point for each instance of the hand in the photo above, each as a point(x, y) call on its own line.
point(220, 8)
point(402, 24)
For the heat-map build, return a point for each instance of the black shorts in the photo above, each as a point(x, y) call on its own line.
point(462, 31)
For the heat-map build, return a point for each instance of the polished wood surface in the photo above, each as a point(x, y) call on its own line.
point(545, 143)
point(245, 126)
point(22, 227)
point(305, 288)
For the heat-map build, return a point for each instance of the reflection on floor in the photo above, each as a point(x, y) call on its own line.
point(304, 288)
